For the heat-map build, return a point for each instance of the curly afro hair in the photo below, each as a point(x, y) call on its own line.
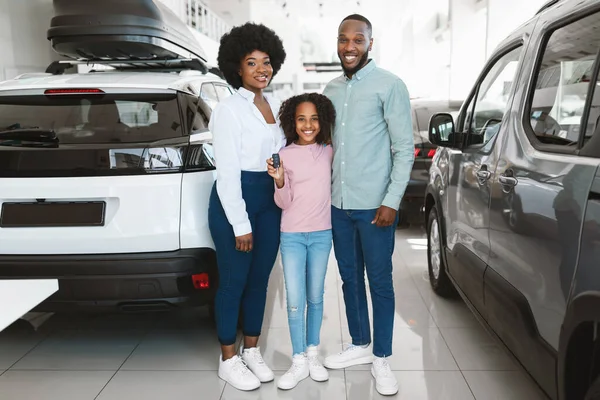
point(325, 109)
point(243, 40)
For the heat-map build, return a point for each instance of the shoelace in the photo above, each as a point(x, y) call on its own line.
point(240, 366)
point(295, 368)
point(348, 347)
point(256, 356)
point(383, 368)
point(314, 362)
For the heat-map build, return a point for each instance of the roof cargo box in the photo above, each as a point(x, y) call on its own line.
point(120, 30)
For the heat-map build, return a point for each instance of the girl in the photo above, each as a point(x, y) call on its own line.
point(243, 218)
point(303, 192)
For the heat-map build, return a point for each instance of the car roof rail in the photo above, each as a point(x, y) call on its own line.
point(547, 6)
point(174, 65)
point(217, 72)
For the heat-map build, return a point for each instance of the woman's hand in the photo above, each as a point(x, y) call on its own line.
point(244, 243)
point(276, 174)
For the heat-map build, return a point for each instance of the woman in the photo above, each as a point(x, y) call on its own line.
point(243, 218)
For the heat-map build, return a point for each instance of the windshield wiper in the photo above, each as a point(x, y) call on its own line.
point(28, 138)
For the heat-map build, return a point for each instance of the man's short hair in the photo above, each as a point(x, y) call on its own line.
point(358, 17)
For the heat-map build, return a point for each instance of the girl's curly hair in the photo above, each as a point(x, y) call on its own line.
point(325, 109)
point(243, 40)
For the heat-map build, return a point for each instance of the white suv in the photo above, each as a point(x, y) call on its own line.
point(105, 179)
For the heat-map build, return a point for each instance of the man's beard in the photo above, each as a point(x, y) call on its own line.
point(362, 63)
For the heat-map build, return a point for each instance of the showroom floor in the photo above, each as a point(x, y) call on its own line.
point(440, 351)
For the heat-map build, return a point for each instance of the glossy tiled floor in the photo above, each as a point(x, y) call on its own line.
point(440, 351)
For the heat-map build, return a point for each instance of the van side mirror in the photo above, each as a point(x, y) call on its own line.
point(441, 130)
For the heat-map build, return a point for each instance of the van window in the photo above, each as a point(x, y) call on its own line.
point(562, 83)
point(493, 94)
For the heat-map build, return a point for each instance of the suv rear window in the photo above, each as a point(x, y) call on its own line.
point(94, 135)
point(94, 119)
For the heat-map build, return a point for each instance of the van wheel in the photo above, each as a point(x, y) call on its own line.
point(438, 278)
point(593, 392)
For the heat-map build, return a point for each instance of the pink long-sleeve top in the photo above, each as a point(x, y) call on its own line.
point(305, 197)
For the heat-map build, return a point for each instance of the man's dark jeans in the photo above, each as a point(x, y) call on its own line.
point(358, 243)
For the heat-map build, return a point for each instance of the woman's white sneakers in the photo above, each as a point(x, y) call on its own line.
point(235, 372)
point(257, 365)
point(246, 371)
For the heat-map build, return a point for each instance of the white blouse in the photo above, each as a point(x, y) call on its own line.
point(242, 141)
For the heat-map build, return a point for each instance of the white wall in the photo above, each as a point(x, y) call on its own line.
point(468, 46)
point(409, 46)
point(234, 12)
point(177, 6)
point(508, 15)
point(445, 63)
point(23, 43)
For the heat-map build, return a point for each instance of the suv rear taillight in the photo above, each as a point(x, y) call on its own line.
point(424, 153)
point(201, 281)
point(198, 159)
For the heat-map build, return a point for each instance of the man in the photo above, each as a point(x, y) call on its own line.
point(373, 156)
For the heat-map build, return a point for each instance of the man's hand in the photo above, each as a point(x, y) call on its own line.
point(385, 216)
point(244, 243)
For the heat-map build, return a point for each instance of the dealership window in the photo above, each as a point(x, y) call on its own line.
point(562, 84)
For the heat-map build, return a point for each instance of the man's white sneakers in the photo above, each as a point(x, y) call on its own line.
point(298, 371)
point(256, 364)
point(317, 371)
point(235, 372)
point(353, 355)
point(385, 380)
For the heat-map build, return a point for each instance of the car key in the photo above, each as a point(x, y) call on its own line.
point(276, 162)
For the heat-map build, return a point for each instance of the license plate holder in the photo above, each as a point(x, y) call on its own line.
point(52, 214)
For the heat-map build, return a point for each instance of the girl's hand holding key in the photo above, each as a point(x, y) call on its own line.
point(276, 173)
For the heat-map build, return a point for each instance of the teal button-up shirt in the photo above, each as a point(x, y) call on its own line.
point(373, 139)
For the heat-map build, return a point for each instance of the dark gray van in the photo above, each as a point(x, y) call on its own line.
point(513, 199)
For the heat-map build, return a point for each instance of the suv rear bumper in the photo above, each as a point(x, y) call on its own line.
point(413, 202)
point(127, 282)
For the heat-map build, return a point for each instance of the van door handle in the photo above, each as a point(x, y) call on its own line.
point(508, 182)
point(483, 175)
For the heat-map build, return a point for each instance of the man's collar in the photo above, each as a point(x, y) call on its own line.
point(245, 93)
point(364, 71)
